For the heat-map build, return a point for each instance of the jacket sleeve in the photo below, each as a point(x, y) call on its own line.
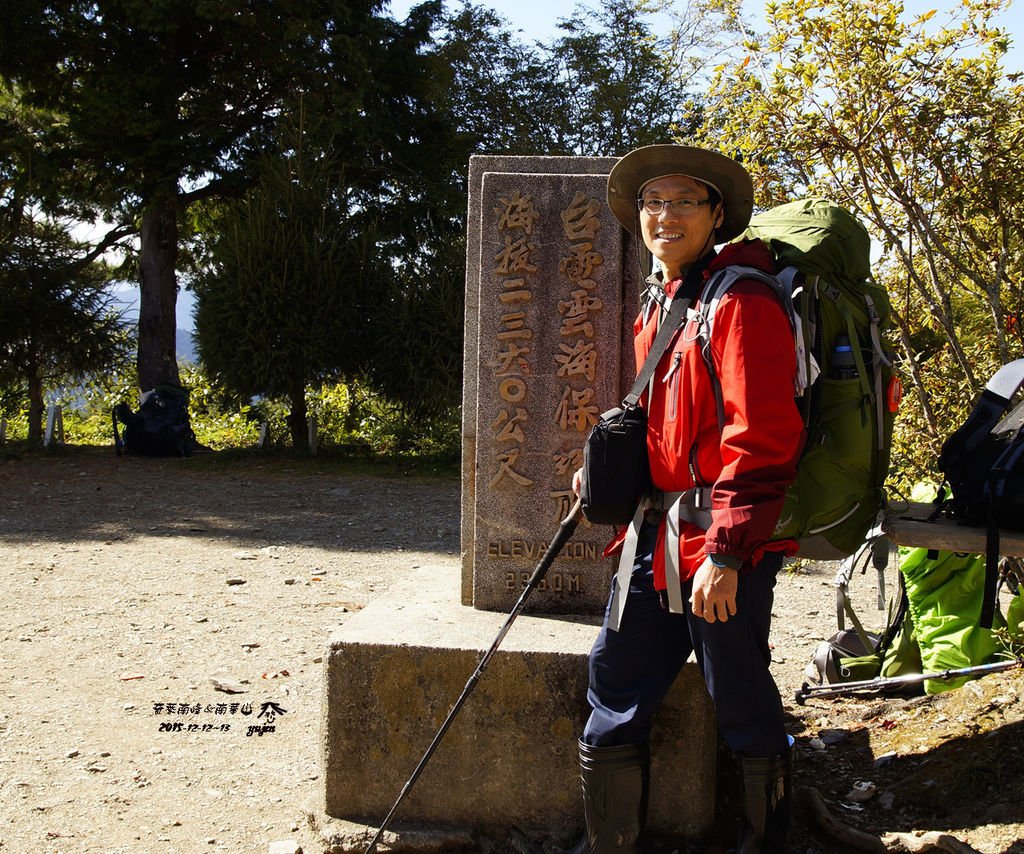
point(763, 433)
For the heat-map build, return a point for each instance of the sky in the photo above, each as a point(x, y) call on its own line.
point(537, 20)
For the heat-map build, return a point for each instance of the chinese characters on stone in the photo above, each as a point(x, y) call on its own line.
point(577, 410)
point(518, 222)
point(517, 217)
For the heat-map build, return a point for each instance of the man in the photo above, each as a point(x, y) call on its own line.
point(715, 600)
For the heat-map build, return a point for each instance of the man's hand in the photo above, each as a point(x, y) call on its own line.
point(714, 592)
point(577, 480)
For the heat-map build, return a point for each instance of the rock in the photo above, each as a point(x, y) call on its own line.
point(885, 759)
point(285, 846)
point(862, 791)
point(227, 686)
point(234, 581)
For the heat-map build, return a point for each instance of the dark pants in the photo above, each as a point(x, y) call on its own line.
point(632, 669)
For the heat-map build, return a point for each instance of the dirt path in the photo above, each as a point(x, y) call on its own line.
point(130, 586)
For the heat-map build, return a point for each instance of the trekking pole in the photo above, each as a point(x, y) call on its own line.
point(565, 530)
point(880, 683)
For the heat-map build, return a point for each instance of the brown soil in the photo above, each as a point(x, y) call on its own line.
point(135, 591)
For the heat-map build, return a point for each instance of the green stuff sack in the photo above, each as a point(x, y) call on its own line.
point(946, 594)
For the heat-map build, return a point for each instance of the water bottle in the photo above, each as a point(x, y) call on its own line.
point(844, 365)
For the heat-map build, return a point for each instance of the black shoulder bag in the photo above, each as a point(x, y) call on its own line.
point(616, 470)
point(983, 465)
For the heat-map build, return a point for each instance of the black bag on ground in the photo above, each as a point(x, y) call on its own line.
point(160, 428)
point(616, 470)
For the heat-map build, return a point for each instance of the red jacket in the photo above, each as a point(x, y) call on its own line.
point(750, 463)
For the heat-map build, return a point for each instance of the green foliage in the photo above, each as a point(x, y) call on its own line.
point(162, 103)
point(620, 84)
point(489, 85)
point(57, 318)
point(913, 126)
point(278, 303)
point(351, 419)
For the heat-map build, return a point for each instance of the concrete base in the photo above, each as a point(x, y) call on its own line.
point(396, 669)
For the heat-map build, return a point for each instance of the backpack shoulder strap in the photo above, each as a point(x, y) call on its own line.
point(720, 283)
point(717, 287)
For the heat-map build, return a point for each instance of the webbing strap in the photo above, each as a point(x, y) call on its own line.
point(673, 576)
point(625, 568)
point(991, 585)
point(693, 506)
point(666, 332)
point(843, 601)
point(858, 355)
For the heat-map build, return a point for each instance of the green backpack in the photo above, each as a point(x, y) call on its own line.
point(847, 391)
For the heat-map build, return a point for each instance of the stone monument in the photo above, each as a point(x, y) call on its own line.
point(551, 289)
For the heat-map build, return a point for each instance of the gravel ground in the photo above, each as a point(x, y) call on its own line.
point(162, 642)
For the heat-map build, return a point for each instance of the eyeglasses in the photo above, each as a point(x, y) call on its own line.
point(683, 207)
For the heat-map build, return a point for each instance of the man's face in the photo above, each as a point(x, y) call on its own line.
point(678, 238)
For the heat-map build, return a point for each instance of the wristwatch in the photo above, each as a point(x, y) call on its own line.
point(721, 561)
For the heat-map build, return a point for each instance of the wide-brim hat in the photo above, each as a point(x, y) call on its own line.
point(641, 165)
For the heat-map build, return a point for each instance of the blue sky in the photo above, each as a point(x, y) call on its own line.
point(538, 19)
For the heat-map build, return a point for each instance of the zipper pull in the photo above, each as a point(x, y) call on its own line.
point(677, 358)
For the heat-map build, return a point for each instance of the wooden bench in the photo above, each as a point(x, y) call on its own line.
point(907, 525)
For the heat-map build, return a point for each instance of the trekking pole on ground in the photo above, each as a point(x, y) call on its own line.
point(565, 530)
point(880, 683)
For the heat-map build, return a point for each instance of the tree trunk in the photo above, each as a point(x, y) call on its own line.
point(36, 408)
point(157, 359)
point(297, 419)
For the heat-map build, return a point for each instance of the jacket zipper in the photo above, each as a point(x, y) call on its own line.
point(673, 386)
point(695, 477)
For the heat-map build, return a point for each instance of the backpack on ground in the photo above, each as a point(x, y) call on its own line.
point(160, 428)
point(854, 654)
point(846, 388)
point(983, 466)
point(933, 625)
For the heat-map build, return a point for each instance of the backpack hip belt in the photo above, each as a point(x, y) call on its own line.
point(693, 506)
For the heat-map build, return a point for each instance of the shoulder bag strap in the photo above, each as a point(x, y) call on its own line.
point(669, 326)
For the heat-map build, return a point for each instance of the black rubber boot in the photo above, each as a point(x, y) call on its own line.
point(767, 804)
point(615, 785)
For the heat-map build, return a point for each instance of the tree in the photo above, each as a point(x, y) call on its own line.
point(492, 88)
point(57, 319)
point(622, 86)
point(281, 305)
point(917, 130)
point(166, 102)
